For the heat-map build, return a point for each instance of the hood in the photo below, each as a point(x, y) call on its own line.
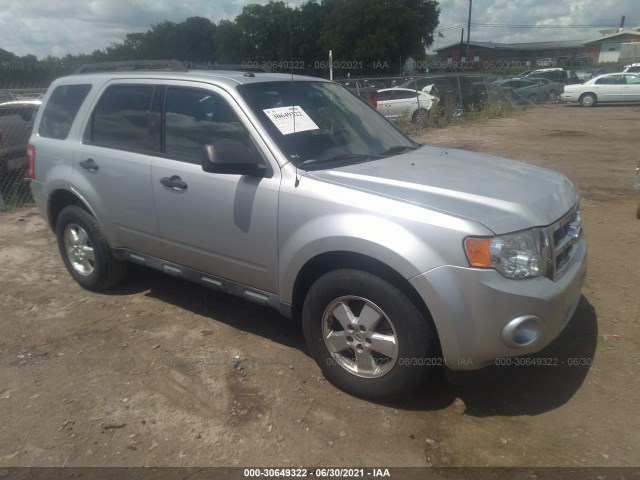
point(503, 195)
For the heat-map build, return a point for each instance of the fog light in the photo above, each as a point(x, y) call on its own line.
point(522, 331)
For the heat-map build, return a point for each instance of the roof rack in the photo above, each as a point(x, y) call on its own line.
point(133, 65)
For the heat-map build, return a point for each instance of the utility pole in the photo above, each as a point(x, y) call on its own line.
point(469, 31)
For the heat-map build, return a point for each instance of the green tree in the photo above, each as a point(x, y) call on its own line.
point(379, 32)
point(266, 31)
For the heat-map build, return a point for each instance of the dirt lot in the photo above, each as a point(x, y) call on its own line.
point(163, 372)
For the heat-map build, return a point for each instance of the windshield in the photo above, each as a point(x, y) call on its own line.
point(320, 124)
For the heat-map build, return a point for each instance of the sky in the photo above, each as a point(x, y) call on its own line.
point(59, 27)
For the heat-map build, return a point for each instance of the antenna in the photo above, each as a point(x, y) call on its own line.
point(290, 41)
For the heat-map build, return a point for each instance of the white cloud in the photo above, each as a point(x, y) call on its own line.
point(580, 19)
point(58, 27)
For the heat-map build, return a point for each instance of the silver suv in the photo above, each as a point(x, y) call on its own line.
point(294, 193)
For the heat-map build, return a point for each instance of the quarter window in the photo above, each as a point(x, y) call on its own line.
point(121, 118)
point(195, 118)
point(61, 110)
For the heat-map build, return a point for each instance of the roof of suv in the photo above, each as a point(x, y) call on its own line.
point(226, 77)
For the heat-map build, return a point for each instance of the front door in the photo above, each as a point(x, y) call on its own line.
point(221, 224)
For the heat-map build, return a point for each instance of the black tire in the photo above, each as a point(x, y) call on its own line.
point(554, 96)
point(533, 98)
point(638, 212)
point(86, 252)
point(392, 375)
point(420, 116)
point(588, 100)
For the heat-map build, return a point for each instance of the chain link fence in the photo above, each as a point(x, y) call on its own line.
point(19, 104)
point(418, 102)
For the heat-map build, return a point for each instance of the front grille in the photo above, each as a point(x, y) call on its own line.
point(563, 237)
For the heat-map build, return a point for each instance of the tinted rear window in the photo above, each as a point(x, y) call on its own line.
point(121, 118)
point(61, 110)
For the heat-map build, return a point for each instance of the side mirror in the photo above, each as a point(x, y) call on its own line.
point(232, 158)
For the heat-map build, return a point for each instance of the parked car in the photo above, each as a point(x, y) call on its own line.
point(633, 68)
point(291, 192)
point(458, 92)
point(523, 90)
point(395, 102)
point(612, 87)
point(523, 74)
point(608, 69)
point(16, 122)
point(547, 62)
point(555, 89)
point(555, 75)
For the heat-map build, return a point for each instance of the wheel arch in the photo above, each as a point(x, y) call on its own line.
point(58, 201)
point(326, 262)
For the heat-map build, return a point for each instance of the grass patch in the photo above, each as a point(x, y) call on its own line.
point(449, 114)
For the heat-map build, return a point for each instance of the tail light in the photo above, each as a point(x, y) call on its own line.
point(374, 100)
point(31, 154)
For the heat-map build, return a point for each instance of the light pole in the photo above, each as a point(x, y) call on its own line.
point(468, 31)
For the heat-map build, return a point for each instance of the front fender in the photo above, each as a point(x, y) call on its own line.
point(368, 235)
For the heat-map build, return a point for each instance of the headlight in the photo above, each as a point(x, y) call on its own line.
point(517, 255)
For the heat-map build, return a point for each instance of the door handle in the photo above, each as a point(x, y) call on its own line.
point(89, 164)
point(174, 182)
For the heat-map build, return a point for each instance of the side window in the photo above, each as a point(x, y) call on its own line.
point(632, 80)
point(402, 95)
point(121, 118)
point(61, 109)
point(612, 80)
point(195, 118)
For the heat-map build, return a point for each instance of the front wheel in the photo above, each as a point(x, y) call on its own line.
point(368, 338)
point(85, 250)
point(588, 100)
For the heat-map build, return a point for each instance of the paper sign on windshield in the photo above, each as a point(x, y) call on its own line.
point(290, 119)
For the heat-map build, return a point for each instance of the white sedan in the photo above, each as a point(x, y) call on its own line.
point(612, 87)
point(397, 101)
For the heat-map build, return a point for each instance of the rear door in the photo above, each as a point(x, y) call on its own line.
point(221, 224)
point(112, 166)
point(609, 88)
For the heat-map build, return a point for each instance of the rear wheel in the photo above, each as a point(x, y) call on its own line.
point(588, 100)
point(85, 250)
point(554, 96)
point(368, 338)
point(420, 116)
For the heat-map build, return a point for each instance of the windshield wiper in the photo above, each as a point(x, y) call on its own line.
point(398, 149)
point(346, 157)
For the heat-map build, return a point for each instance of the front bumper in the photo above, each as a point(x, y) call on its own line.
point(477, 312)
